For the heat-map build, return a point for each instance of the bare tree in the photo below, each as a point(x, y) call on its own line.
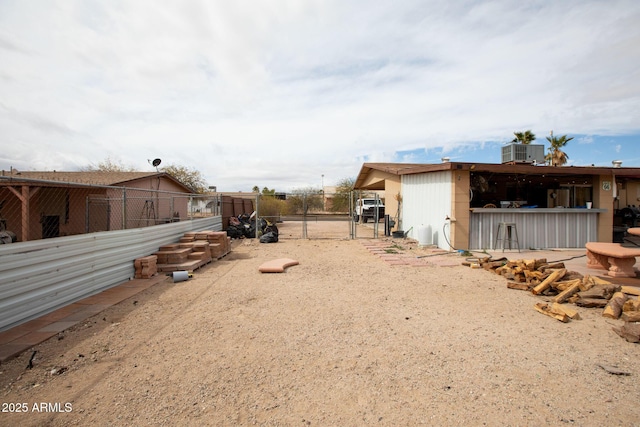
point(343, 192)
point(192, 178)
point(304, 200)
point(108, 165)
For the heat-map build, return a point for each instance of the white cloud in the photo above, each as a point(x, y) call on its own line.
point(278, 93)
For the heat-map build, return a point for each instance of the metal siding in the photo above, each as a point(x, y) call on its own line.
point(40, 276)
point(535, 230)
point(427, 202)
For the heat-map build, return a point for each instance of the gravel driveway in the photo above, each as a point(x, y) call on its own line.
point(343, 338)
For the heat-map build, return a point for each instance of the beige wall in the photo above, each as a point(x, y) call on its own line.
point(603, 199)
point(392, 188)
point(376, 180)
point(460, 209)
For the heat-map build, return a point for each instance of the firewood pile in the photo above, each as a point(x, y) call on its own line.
point(562, 288)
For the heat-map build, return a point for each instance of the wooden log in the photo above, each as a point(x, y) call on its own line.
point(629, 331)
point(545, 309)
point(519, 269)
point(565, 284)
point(540, 263)
point(631, 305)
point(531, 275)
point(587, 283)
point(600, 291)
point(546, 284)
point(568, 292)
point(518, 286)
point(535, 273)
point(492, 265)
point(630, 290)
point(559, 308)
point(499, 270)
point(556, 266)
point(630, 316)
point(572, 275)
point(613, 309)
point(591, 302)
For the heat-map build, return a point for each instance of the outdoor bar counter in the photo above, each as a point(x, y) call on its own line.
point(538, 228)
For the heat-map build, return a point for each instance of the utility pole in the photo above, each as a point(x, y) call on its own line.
point(323, 208)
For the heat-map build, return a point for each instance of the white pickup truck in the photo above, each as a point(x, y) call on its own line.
point(366, 208)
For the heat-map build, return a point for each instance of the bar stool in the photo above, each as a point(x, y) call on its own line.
point(507, 229)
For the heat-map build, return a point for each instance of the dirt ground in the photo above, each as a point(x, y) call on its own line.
point(343, 338)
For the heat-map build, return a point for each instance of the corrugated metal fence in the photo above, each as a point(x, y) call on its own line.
point(40, 276)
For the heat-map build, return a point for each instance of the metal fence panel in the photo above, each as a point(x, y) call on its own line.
point(315, 215)
point(563, 229)
point(40, 276)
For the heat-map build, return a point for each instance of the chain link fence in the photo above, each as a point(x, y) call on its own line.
point(320, 215)
point(38, 209)
point(32, 209)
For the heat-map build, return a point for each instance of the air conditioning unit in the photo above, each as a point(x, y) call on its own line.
point(523, 153)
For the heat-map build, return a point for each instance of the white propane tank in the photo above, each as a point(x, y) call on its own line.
point(424, 235)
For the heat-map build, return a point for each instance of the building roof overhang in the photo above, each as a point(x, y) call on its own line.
point(400, 169)
point(82, 179)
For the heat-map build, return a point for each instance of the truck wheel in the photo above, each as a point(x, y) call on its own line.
point(364, 219)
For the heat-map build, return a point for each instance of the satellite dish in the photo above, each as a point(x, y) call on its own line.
point(156, 162)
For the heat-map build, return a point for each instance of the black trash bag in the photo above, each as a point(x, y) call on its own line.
point(250, 230)
point(244, 218)
point(235, 231)
point(269, 237)
point(271, 228)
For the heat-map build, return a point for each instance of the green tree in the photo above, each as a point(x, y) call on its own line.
point(265, 191)
point(556, 156)
point(343, 192)
point(526, 137)
point(192, 178)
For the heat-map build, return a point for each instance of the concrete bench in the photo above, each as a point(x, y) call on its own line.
point(634, 231)
point(277, 265)
point(617, 259)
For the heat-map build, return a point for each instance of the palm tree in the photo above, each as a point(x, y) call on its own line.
point(526, 137)
point(555, 156)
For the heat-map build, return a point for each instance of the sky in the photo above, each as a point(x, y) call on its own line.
point(293, 94)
